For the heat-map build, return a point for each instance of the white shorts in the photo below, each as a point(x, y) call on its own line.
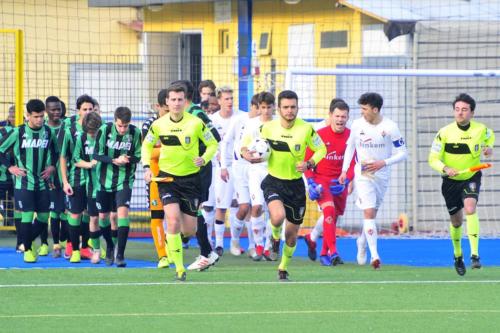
point(211, 192)
point(256, 173)
point(239, 172)
point(223, 190)
point(370, 192)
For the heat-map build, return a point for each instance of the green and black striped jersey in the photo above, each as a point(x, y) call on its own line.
point(111, 145)
point(33, 150)
point(5, 176)
point(56, 177)
point(84, 151)
point(67, 139)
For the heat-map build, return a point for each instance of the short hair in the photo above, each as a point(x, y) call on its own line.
point(162, 97)
point(463, 97)
point(63, 109)
point(176, 87)
point(221, 90)
point(52, 99)
point(84, 99)
point(266, 97)
point(189, 88)
point(91, 122)
point(255, 100)
point(35, 105)
point(341, 105)
point(206, 83)
point(95, 102)
point(124, 114)
point(335, 100)
point(287, 94)
point(204, 104)
point(371, 98)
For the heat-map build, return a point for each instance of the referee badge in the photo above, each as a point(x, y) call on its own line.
point(476, 148)
point(472, 187)
point(187, 140)
point(297, 147)
point(154, 203)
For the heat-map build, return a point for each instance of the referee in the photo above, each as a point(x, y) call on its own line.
point(456, 147)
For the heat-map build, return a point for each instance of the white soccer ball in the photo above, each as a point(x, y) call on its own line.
point(261, 148)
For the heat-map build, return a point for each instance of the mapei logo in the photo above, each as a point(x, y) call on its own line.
point(118, 145)
point(35, 143)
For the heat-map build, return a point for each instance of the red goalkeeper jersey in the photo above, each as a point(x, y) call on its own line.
point(331, 164)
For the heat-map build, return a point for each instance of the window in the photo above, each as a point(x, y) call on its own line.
point(223, 41)
point(265, 42)
point(334, 39)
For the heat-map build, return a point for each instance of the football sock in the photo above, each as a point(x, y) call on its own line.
point(329, 229)
point(473, 233)
point(317, 230)
point(258, 226)
point(286, 257)
point(55, 228)
point(44, 231)
point(85, 231)
point(456, 239)
point(236, 227)
point(370, 231)
point(174, 243)
point(17, 223)
point(95, 237)
point(202, 236)
point(114, 236)
point(219, 233)
point(63, 235)
point(276, 232)
point(123, 230)
point(251, 241)
point(158, 234)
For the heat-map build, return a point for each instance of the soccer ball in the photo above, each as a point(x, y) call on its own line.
point(261, 148)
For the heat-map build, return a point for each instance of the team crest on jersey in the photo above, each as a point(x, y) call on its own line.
point(154, 203)
point(472, 187)
point(297, 147)
point(476, 148)
point(187, 140)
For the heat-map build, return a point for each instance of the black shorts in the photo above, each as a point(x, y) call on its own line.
point(455, 191)
point(291, 192)
point(32, 201)
point(184, 190)
point(77, 202)
point(92, 207)
point(111, 201)
point(206, 181)
point(57, 200)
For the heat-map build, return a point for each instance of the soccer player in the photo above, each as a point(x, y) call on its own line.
point(257, 172)
point(378, 144)
point(458, 146)
point(117, 151)
point(331, 196)
point(283, 187)
point(7, 186)
point(58, 217)
point(223, 183)
point(74, 181)
point(180, 134)
point(207, 257)
point(206, 88)
point(154, 202)
point(83, 159)
point(33, 150)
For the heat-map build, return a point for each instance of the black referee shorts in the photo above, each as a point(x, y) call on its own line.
point(455, 191)
point(183, 190)
point(291, 192)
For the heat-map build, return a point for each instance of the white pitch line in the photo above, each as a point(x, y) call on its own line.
point(238, 283)
point(244, 313)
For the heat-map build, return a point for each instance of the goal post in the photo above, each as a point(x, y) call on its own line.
point(420, 102)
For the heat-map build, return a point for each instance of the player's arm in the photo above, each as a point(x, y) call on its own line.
point(136, 147)
point(5, 146)
point(77, 156)
point(399, 152)
point(309, 172)
point(100, 147)
point(51, 158)
point(246, 140)
point(316, 144)
point(348, 157)
point(146, 152)
point(203, 116)
point(205, 135)
point(436, 154)
point(226, 143)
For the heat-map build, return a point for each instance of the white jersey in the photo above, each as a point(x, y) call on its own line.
point(230, 146)
point(222, 126)
point(374, 142)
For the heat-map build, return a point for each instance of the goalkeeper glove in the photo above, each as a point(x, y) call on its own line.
point(313, 189)
point(336, 188)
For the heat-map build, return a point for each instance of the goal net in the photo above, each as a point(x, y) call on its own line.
point(420, 102)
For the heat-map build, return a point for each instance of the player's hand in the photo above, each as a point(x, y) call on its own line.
point(67, 189)
point(224, 175)
point(450, 172)
point(301, 166)
point(17, 171)
point(373, 166)
point(148, 174)
point(93, 163)
point(248, 155)
point(199, 162)
point(313, 189)
point(342, 178)
point(121, 160)
point(47, 172)
point(336, 188)
point(487, 151)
